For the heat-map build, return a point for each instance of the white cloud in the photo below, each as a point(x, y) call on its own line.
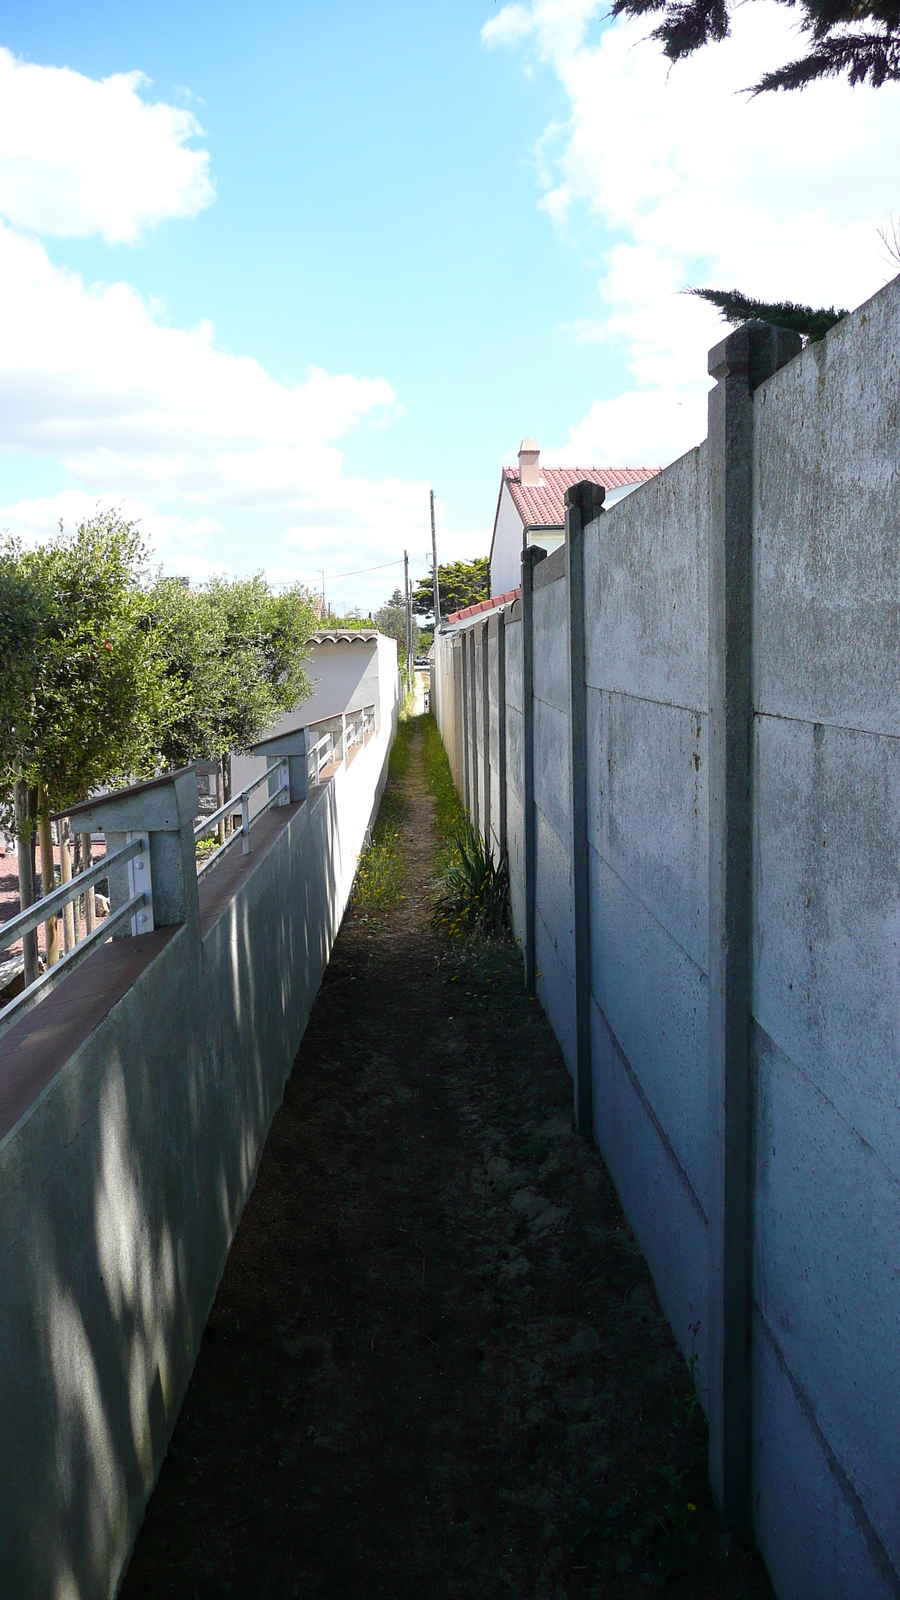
point(694, 182)
point(225, 466)
point(91, 375)
point(185, 545)
point(80, 156)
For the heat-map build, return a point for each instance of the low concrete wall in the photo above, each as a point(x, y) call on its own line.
point(122, 1185)
point(741, 684)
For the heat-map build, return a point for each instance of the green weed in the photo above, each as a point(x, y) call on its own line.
point(378, 884)
point(449, 816)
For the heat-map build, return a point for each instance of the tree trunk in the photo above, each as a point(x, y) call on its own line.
point(90, 908)
point(25, 862)
point(45, 840)
point(226, 787)
point(65, 862)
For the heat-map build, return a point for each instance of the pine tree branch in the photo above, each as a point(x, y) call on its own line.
point(813, 323)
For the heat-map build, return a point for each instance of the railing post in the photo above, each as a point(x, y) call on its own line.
point(531, 556)
point(584, 502)
point(740, 362)
point(163, 811)
point(290, 749)
point(245, 823)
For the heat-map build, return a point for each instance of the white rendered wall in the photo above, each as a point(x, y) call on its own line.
point(506, 554)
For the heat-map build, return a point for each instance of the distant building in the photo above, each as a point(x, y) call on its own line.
point(531, 509)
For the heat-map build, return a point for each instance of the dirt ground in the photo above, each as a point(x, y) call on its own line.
point(436, 1366)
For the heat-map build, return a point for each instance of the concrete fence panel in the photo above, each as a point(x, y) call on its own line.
point(739, 697)
point(826, 978)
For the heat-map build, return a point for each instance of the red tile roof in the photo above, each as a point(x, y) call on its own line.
point(485, 605)
point(541, 505)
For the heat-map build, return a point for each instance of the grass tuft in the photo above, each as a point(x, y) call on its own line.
point(378, 884)
point(449, 816)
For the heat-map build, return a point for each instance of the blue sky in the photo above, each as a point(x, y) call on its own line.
point(469, 223)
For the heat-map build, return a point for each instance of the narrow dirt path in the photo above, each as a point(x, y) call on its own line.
point(436, 1366)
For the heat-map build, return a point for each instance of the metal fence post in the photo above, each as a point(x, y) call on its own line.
point(501, 729)
point(584, 502)
point(473, 726)
point(464, 659)
point(486, 729)
point(531, 556)
point(741, 361)
point(140, 881)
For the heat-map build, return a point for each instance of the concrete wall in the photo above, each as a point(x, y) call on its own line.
point(803, 1439)
point(122, 1185)
point(826, 978)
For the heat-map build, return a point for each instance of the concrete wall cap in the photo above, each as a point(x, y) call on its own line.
point(282, 744)
point(162, 805)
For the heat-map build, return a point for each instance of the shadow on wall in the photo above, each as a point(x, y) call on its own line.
point(122, 1186)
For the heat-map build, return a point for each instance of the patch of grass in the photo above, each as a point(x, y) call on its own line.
point(472, 890)
point(449, 816)
point(379, 877)
point(378, 884)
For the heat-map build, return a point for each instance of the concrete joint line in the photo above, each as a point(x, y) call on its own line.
point(584, 503)
point(531, 556)
point(739, 363)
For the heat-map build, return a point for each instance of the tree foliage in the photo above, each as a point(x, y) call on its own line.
point(390, 619)
point(856, 39)
point(460, 584)
point(108, 673)
point(231, 654)
point(24, 615)
point(736, 307)
point(94, 693)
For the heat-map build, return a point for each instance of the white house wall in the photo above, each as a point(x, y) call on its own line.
point(506, 554)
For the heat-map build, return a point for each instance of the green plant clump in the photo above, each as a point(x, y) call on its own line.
point(473, 891)
point(449, 816)
point(378, 884)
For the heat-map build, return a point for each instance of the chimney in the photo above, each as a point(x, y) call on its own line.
point(529, 462)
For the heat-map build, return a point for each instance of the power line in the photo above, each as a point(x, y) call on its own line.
point(332, 577)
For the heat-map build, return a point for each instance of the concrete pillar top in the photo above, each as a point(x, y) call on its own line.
point(161, 805)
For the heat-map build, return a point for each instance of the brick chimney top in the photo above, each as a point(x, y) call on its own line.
point(529, 462)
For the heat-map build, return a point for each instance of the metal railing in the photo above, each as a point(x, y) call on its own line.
point(139, 908)
point(241, 803)
point(337, 738)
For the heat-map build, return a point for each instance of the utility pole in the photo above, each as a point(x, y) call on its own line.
point(409, 664)
point(434, 573)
